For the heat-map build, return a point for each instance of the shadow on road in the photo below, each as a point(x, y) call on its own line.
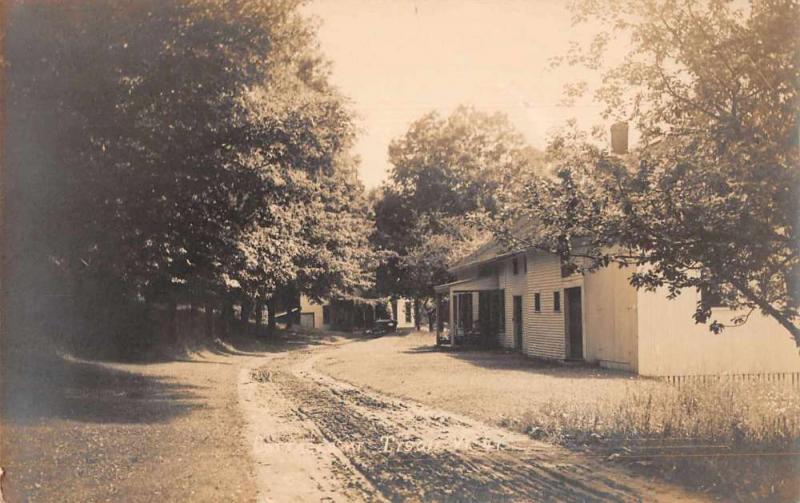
point(41, 388)
point(505, 360)
point(38, 385)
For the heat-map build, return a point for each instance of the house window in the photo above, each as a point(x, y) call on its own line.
point(537, 302)
point(463, 311)
point(326, 315)
point(408, 312)
point(556, 301)
point(514, 266)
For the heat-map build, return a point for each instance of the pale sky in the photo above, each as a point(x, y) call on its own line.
point(399, 59)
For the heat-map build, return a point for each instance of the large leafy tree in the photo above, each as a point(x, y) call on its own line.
point(447, 174)
point(166, 150)
point(710, 198)
point(339, 261)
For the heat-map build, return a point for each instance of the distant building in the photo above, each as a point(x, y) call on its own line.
point(355, 313)
point(314, 315)
point(403, 310)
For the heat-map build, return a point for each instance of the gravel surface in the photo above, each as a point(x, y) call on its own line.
point(84, 431)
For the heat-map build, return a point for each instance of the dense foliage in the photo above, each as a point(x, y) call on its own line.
point(176, 151)
point(447, 175)
point(709, 200)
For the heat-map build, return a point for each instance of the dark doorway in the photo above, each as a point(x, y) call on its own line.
point(485, 315)
point(574, 323)
point(490, 316)
point(517, 319)
point(463, 309)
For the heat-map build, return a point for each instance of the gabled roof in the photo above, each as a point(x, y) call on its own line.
point(488, 251)
point(493, 250)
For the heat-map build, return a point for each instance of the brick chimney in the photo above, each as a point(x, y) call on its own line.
point(619, 138)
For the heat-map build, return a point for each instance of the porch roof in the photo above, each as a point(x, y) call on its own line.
point(469, 284)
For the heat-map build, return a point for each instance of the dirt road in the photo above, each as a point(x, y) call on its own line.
point(314, 437)
point(77, 431)
point(264, 424)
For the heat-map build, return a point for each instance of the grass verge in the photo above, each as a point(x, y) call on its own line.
point(736, 440)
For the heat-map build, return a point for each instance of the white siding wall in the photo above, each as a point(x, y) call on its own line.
point(609, 314)
point(544, 331)
point(512, 285)
point(670, 343)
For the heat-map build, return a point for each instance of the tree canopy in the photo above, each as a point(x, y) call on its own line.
point(178, 149)
point(447, 174)
point(709, 199)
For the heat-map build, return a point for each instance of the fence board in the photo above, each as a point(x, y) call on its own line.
point(783, 378)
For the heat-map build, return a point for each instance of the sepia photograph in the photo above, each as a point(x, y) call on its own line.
point(399, 251)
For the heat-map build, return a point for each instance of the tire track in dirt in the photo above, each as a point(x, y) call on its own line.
point(293, 460)
point(413, 452)
point(317, 438)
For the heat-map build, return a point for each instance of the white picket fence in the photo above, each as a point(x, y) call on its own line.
point(777, 378)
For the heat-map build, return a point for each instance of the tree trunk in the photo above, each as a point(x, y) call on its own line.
point(289, 315)
point(227, 316)
point(192, 315)
point(209, 319)
point(247, 309)
point(769, 310)
point(259, 314)
point(417, 320)
point(172, 321)
point(271, 316)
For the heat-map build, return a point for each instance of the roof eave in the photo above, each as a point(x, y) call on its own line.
point(445, 286)
point(461, 267)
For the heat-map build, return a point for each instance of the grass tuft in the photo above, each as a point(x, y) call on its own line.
point(736, 439)
point(724, 413)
